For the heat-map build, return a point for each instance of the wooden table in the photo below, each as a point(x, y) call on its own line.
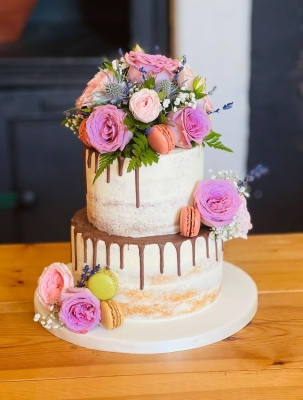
point(263, 361)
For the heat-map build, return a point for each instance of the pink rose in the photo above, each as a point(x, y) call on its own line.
point(189, 124)
point(145, 105)
point(94, 85)
point(79, 310)
point(105, 129)
point(54, 280)
point(218, 202)
point(186, 77)
point(243, 217)
point(207, 104)
point(157, 65)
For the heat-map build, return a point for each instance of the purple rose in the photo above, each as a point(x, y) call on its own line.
point(218, 202)
point(189, 125)
point(106, 130)
point(79, 310)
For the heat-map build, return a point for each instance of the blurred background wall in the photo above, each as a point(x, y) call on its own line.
point(250, 49)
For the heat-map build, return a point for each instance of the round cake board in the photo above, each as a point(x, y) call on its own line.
point(234, 308)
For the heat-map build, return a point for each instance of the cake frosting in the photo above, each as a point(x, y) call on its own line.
point(159, 276)
point(144, 202)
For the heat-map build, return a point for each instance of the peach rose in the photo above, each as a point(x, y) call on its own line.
point(95, 84)
point(145, 105)
point(54, 280)
point(244, 217)
point(186, 78)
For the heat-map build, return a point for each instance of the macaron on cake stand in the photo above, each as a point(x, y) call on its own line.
point(232, 310)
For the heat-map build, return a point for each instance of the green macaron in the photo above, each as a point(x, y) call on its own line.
point(104, 284)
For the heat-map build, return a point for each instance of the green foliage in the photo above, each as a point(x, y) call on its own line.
point(108, 65)
point(199, 88)
point(193, 144)
point(105, 160)
point(141, 153)
point(149, 83)
point(132, 124)
point(213, 140)
point(162, 95)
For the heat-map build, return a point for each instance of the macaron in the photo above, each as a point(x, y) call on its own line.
point(83, 133)
point(161, 139)
point(190, 221)
point(104, 284)
point(112, 314)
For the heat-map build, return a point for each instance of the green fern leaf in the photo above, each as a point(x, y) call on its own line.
point(213, 140)
point(105, 160)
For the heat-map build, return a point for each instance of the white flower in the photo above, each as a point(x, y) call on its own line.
point(166, 103)
point(115, 64)
point(37, 317)
point(175, 109)
point(52, 307)
point(177, 101)
point(183, 88)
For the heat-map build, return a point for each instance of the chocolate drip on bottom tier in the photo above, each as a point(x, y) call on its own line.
point(83, 226)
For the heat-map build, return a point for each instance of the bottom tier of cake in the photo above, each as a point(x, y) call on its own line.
point(159, 276)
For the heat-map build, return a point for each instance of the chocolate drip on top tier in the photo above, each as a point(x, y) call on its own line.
point(120, 170)
point(137, 187)
point(83, 226)
point(120, 165)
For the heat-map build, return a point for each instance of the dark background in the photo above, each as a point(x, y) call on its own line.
point(46, 69)
point(276, 119)
point(41, 75)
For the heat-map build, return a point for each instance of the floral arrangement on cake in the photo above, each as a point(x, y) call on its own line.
point(142, 105)
point(220, 204)
point(80, 307)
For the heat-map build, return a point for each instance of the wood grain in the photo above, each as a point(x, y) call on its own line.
point(263, 361)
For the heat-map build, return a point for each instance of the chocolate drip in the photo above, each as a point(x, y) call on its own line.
point(216, 244)
point(82, 225)
point(141, 256)
point(85, 251)
point(137, 187)
point(207, 247)
point(177, 247)
point(193, 246)
point(120, 165)
point(161, 250)
point(84, 158)
point(89, 158)
point(96, 162)
point(108, 254)
point(108, 174)
point(95, 244)
point(121, 256)
point(75, 244)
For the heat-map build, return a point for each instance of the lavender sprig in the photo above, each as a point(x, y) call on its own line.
point(86, 274)
point(256, 172)
point(225, 107)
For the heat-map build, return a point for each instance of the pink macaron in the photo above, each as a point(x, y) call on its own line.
point(190, 221)
point(161, 139)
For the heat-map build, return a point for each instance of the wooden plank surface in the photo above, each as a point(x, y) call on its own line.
point(264, 360)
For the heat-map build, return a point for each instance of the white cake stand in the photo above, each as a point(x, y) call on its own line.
point(234, 308)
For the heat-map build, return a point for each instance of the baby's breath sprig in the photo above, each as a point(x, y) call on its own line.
point(86, 274)
point(51, 320)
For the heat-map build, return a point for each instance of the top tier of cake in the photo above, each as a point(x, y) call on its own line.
point(145, 202)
